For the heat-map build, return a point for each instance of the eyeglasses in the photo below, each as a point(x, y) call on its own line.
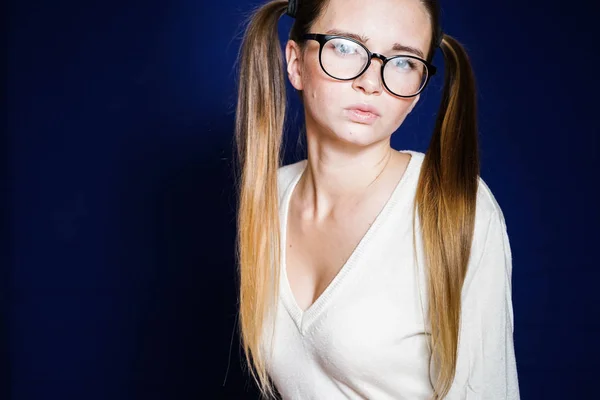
point(344, 59)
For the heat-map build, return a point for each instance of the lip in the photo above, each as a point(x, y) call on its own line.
point(362, 113)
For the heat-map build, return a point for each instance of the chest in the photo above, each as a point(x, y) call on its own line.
point(370, 328)
point(317, 253)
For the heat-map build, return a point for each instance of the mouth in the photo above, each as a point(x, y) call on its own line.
point(362, 113)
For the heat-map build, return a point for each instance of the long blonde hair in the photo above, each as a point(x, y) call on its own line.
point(445, 197)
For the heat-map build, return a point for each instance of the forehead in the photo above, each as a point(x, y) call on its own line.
point(384, 22)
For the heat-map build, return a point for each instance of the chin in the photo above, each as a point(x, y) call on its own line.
point(358, 134)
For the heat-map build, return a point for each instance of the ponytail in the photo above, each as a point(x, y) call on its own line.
point(259, 125)
point(445, 200)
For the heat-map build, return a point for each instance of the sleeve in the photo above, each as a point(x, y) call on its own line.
point(486, 365)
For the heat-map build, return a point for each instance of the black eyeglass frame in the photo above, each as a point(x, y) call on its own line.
point(322, 39)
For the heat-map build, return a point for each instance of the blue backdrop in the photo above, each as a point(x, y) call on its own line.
point(120, 281)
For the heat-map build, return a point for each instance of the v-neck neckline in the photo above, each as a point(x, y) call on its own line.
point(304, 319)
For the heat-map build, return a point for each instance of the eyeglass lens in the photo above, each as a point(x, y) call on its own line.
point(345, 59)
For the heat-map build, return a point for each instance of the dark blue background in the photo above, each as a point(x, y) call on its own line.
point(121, 279)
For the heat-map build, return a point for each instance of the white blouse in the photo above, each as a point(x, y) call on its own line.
point(365, 337)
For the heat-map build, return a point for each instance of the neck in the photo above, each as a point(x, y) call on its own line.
point(336, 178)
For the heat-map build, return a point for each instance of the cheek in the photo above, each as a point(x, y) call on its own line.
point(398, 110)
point(321, 93)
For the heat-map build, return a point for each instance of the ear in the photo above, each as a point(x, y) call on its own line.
point(414, 102)
point(293, 57)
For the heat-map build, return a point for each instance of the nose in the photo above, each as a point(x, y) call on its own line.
point(370, 80)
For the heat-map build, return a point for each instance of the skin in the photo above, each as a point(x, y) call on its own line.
point(352, 168)
point(345, 156)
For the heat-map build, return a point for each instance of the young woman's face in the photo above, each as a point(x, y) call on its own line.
point(328, 102)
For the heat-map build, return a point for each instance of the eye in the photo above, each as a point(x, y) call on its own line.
point(404, 63)
point(344, 47)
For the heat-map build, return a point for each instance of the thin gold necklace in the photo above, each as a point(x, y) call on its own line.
point(362, 195)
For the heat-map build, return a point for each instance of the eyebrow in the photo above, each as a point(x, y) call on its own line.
point(365, 39)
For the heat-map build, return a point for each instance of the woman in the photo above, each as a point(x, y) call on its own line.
point(367, 272)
